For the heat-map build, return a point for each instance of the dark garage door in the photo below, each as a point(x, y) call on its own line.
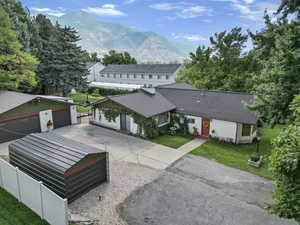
point(18, 128)
point(61, 118)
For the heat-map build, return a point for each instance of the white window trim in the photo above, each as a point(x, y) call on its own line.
point(163, 124)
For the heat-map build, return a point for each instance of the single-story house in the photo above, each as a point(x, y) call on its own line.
point(22, 114)
point(218, 114)
point(67, 167)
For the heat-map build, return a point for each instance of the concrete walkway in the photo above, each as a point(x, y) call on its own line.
point(127, 148)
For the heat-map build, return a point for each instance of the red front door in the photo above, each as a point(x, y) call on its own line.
point(205, 127)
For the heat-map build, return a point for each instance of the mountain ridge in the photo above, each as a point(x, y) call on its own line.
point(101, 37)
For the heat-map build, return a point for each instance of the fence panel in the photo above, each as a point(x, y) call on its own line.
point(10, 178)
point(34, 194)
point(30, 193)
point(54, 207)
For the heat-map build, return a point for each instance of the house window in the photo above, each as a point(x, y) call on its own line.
point(158, 77)
point(163, 118)
point(115, 75)
point(120, 75)
point(167, 77)
point(134, 76)
point(107, 75)
point(102, 75)
point(246, 130)
point(143, 76)
point(189, 120)
point(127, 76)
point(150, 76)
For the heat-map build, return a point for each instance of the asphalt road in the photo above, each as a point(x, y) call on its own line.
point(183, 196)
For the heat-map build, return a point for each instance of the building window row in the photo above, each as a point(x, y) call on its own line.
point(135, 76)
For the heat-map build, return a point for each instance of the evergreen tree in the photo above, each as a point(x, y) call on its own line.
point(21, 21)
point(16, 66)
point(63, 65)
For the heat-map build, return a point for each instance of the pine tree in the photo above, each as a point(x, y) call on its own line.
point(16, 66)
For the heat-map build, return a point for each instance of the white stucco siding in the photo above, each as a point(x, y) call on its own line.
point(133, 126)
point(99, 118)
point(197, 124)
point(224, 130)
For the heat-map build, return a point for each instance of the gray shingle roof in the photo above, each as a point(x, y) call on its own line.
point(228, 106)
point(143, 103)
point(10, 99)
point(141, 68)
point(53, 150)
point(178, 86)
point(90, 64)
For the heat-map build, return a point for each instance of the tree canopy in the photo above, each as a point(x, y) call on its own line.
point(285, 166)
point(114, 57)
point(223, 66)
point(16, 66)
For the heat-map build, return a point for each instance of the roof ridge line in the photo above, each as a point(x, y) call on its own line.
point(228, 92)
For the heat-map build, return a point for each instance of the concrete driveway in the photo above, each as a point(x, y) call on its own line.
point(126, 148)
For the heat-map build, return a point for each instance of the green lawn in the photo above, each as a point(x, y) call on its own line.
point(12, 212)
point(81, 98)
point(172, 141)
point(237, 155)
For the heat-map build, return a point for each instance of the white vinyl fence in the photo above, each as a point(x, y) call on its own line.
point(34, 194)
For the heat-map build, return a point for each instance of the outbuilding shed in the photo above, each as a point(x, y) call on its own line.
point(67, 167)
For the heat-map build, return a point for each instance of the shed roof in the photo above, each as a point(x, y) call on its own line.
point(53, 150)
point(143, 103)
point(228, 106)
point(11, 99)
point(141, 68)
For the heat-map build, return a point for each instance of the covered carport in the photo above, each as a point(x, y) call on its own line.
point(67, 167)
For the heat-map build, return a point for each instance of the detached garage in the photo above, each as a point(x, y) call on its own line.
point(67, 167)
point(22, 114)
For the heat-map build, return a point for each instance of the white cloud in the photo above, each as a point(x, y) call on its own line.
point(182, 9)
point(105, 10)
point(256, 11)
point(193, 12)
point(51, 12)
point(165, 6)
point(194, 37)
point(40, 9)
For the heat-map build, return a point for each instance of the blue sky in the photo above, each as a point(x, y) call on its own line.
point(188, 21)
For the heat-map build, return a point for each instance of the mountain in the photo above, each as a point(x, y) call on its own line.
point(101, 37)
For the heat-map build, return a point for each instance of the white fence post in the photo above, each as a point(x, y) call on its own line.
point(18, 184)
point(1, 177)
point(42, 200)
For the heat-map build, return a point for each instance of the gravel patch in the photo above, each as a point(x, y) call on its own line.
point(125, 178)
